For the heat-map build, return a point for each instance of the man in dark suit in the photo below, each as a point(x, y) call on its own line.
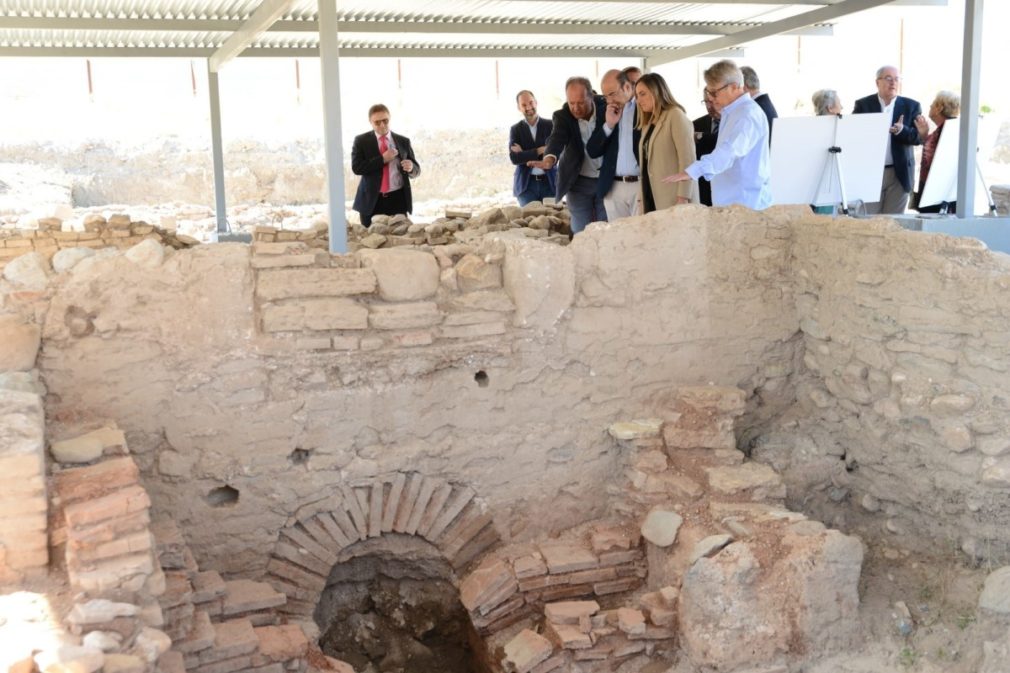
point(617, 142)
point(752, 83)
point(706, 134)
point(578, 173)
point(899, 166)
point(385, 161)
point(527, 142)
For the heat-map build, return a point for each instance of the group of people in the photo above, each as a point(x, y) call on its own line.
point(631, 149)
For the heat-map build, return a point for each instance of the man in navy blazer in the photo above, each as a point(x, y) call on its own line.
point(385, 161)
point(617, 142)
point(527, 142)
point(578, 173)
point(899, 163)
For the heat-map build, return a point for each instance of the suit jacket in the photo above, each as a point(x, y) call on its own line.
point(566, 144)
point(764, 101)
point(601, 145)
point(670, 150)
point(366, 161)
point(520, 135)
point(704, 144)
point(903, 141)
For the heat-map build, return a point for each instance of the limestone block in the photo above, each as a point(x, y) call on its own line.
point(275, 284)
point(637, 429)
point(756, 477)
point(997, 473)
point(25, 382)
point(19, 344)
point(315, 314)
point(106, 641)
point(734, 611)
point(661, 526)
point(83, 449)
point(22, 435)
point(70, 659)
point(99, 610)
point(152, 643)
point(66, 259)
point(404, 316)
point(540, 280)
point(473, 273)
point(148, 254)
point(631, 621)
point(403, 275)
point(709, 546)
point(526, 650)
point(29, 271)
point(995, 596)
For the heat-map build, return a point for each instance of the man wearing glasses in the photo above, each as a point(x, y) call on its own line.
point(617, 142)
point(899, 166)
point(739, 167)
point(385, 161)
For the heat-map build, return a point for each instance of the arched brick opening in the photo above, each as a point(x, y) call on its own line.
point(447, 515)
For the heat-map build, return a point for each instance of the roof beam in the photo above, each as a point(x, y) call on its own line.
point(821, 15)
point(353, 51)
point(459, 27)
point(265, 16)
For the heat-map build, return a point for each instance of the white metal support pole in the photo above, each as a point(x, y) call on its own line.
point(971, 66)
point(329, 57)
point(217, 149)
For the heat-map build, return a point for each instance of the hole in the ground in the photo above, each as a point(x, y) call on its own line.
point(222, 496)
point(299, 456)
point(481, 378)
point(394, 609)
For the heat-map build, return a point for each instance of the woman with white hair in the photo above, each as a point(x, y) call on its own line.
point(946, 105)
point(827, 102)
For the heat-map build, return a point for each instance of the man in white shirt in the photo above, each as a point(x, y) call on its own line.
point(739, 167)
point(617, 142)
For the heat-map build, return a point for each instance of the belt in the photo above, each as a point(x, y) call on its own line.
point(626, 178)
point(538, 178)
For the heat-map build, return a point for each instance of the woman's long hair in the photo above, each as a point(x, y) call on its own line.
point(664, 100)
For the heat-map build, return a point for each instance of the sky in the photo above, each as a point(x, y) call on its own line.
point(141, 101)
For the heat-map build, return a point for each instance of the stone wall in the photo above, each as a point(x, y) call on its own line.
point(252, 381)
point(904, 406)
point(116, 232)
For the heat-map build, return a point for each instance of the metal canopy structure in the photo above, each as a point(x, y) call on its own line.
point(655, 31)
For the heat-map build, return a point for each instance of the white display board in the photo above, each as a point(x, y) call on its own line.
point(800, 157)
point(941, 183)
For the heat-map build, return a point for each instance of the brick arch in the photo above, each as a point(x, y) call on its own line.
point(449, 516)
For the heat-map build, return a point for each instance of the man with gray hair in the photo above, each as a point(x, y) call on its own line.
point(899, 163)
point(578, 173)
point(739, 166)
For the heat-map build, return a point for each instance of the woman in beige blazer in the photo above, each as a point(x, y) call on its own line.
point(666, 147)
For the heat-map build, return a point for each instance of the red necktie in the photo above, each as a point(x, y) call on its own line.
point(383, 146)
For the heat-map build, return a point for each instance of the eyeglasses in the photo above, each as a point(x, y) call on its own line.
point(890, 80)
point(713, 94)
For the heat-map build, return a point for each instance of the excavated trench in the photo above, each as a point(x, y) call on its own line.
point(394, 608)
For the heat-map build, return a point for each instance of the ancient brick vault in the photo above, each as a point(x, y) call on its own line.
point(664, 447)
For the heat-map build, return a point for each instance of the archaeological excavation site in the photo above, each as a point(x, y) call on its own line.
point(696, 441)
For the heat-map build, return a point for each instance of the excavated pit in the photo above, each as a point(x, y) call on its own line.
point(393, 608)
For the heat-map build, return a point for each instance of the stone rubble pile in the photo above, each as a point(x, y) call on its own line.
point(534, 220)
point(118, 231)
point(737, 580)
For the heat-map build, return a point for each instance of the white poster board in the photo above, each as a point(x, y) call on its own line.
point(800, 157)
point(941, 183)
